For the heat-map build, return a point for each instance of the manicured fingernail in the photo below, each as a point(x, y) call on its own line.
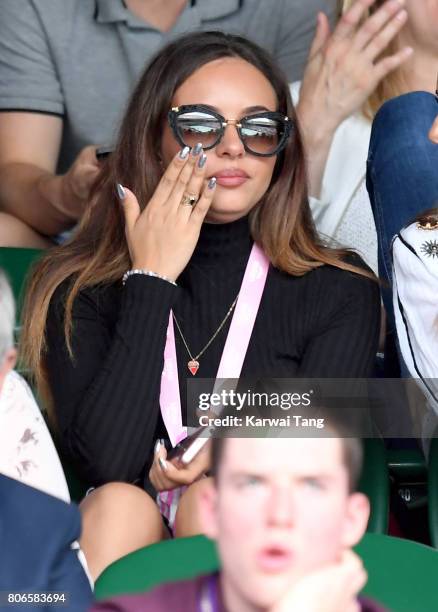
point(120, 191)
point(212, 182)
point(163, 463)
point(197, 149)
point(162, 442)
point(184, 152)
point(157, 447)
point(202, 160)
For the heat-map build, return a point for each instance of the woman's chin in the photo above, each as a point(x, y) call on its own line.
point(224, 216)
point(227, 212)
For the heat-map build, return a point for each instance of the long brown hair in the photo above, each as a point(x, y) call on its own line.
point(98, 252)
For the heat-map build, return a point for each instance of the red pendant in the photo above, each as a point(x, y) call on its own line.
point(193, 366)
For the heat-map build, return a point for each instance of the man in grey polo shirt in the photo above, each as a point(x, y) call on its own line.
point(67, 69)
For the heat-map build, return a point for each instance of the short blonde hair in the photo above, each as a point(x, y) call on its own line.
point(7, 316)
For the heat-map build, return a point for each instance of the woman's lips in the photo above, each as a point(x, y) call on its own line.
point(231, 178)
point(273, 559)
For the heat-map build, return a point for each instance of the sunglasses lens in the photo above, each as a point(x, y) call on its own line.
point(262, 134)
point(198, 126)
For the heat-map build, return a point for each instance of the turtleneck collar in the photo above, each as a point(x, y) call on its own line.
point(223, 241)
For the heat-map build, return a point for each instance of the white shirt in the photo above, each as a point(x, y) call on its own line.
point(27, 452)
point(343, 214)
point(415, 294)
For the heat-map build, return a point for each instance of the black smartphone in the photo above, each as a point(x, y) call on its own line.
point(186, 450)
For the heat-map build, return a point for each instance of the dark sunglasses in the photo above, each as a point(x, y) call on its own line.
point(263, 134)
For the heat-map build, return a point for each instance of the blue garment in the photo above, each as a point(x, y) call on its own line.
point(36, 533)
point(402, 172)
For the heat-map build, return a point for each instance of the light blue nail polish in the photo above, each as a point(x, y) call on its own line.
point(184, 152)
point(162, 463)
point(202, 160)
point(120, 191)
point(212, 182)
point(197, 149)
point(157, 447)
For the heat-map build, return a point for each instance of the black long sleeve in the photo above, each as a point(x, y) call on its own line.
point(107, 399)
point(324, 324)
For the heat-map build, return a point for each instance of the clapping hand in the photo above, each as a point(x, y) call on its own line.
point(345, 67)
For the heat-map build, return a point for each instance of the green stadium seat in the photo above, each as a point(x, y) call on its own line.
point(165, 561)
point(402, 574)
point(433, 492)
point(16, 263)
point(374, 482)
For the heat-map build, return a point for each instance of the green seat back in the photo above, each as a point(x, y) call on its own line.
point(402, 574)
point(165, 561)
point(433, 491)
point(16, 263)
point(374, 482)
point(408, 466)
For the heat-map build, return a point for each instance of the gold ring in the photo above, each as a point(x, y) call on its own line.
point(189, 199)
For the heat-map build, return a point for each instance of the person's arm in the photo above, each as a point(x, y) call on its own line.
point(344, 337)
point(29, 187)
point(107, 399)
point(331, 588)
point(31, 124)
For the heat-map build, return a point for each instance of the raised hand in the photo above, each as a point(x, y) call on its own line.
point(163, 236)
point(345, 67)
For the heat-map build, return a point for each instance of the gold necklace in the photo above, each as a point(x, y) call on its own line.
point(193, 364)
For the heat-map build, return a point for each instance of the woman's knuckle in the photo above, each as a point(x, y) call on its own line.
point(182, 180)
point(166, 181)
point(370, 28)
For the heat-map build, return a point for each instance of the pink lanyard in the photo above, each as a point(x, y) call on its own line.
point(235, 347)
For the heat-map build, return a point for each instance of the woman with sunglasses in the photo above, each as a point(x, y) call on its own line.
point(196, 257)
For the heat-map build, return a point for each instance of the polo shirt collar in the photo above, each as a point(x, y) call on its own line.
point(110, 11)
point(213, 9)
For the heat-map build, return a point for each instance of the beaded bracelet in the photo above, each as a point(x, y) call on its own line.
point(146, 273)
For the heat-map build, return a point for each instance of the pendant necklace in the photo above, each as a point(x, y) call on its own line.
point(193, 363)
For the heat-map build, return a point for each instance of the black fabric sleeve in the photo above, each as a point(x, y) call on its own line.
point(344, 342)
point(107, 399)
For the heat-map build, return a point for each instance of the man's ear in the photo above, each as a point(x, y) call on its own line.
point(356, 519)
point(208, 509)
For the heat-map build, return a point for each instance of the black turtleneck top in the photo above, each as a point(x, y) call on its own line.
point(324, 324)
